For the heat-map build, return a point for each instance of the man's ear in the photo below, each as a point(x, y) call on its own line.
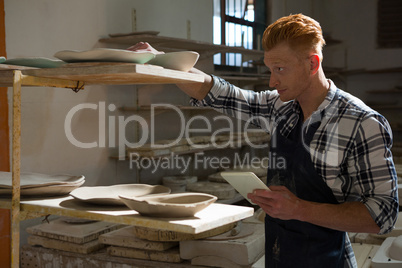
point(314, 63)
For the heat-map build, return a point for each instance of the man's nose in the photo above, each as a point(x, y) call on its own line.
point(273, 82)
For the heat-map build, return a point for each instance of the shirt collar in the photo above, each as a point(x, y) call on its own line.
point(295, 112)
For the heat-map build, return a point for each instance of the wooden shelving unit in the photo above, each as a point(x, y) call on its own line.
point(76, 77)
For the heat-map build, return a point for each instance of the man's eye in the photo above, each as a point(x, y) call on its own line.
point(279, 69)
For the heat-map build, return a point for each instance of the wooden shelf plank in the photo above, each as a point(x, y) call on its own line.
point(108, 74)
point(117, 74)
point(213, 216)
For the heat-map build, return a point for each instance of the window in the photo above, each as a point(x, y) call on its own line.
point(389, 24)
point(236, 23)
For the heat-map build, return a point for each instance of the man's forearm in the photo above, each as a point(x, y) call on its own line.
point(347, 217)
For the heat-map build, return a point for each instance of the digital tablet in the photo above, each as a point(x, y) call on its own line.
point(244, 182)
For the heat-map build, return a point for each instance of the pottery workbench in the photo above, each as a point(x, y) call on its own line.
point(76, 77)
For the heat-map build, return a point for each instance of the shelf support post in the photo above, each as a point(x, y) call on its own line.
point(16, 164)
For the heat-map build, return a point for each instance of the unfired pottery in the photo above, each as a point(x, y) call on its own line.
point(178, 183)
point(29, 180)
point(104, 55)
point(220, 190)
point(109, 195)
point(38, 62)
point(170, 206)
point(181, 60)
point(395, 250)
point(47, 190)
point(389, 254)
point(34, 184)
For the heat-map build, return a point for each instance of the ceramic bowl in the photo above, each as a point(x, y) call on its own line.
point(395, 250)
point(181, 61)
point(178, 205)
point(109, 195)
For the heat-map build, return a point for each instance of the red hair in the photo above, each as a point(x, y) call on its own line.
point(301, 32)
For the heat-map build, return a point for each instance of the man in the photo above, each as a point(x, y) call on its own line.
point(339, 175)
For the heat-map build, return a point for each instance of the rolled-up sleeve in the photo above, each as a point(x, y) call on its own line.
point(373, 170)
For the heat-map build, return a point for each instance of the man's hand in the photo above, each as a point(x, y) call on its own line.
point(195, 90)
point(278, 203)
point(144, 47)
point(283, 204)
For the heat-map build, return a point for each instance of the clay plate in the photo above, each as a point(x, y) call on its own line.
point(104, 55)
point(38, 62)
point(171, 206)
point(109, 195)
point(46, 190)
point(31, 180)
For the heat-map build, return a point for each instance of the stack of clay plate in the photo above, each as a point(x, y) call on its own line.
point(124, 243)
point(222, 191)
point(152, 244)
point(70, 234)
point(178, 184)
point(33, 184)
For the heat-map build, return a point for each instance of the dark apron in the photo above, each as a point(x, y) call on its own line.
point(292, 243)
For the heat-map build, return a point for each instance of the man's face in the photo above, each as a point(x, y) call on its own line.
point(290, 74)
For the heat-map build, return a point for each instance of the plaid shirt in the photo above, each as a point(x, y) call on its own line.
point(350, 150)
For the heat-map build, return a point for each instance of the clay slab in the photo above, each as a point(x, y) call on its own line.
point(63, 245)
point(125, 237)
point(170, 255)
point(74, 233)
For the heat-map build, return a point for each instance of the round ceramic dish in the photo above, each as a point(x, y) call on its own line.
point(37, 62)
point(104, 55)
point(31, 180)
point(178, 205)
point(46, 190)
point(109, 195)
